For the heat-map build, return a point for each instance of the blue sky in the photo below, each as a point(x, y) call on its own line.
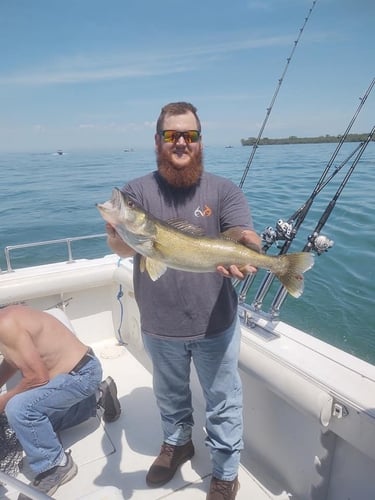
point(93, 74)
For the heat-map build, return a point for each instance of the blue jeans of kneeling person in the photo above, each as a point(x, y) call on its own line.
point(35, 415)
point(216, 360)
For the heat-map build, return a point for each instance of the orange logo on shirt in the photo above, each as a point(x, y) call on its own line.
point(206, 212)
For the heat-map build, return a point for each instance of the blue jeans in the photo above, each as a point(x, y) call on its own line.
point(37, 414)
point(216, 362)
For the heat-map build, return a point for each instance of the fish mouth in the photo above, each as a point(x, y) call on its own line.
point(109, 208)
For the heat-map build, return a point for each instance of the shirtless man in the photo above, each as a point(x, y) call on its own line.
point(60, 379)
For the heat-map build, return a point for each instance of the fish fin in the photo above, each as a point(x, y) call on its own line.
point(186, 227)
point(155, 268)
point(233, 233)
point(142, 264)
point(295, 265)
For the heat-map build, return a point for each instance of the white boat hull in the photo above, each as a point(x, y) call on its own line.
point(309, 408)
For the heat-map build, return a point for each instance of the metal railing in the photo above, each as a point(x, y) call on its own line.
point(66, 241)
point(22, 487)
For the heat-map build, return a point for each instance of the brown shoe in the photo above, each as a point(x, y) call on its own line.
point(166, 464)
point(223, 490)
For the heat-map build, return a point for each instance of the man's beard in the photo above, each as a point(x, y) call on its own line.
point(180, 177)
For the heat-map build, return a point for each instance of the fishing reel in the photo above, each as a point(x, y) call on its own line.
point(269, 236)
point(320, 243)
point(284, 231)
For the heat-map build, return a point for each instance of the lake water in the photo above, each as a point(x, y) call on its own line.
point(49, 196)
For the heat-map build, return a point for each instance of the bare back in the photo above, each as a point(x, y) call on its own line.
point(38, 344)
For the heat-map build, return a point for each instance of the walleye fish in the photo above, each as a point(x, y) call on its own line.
point(179, 246)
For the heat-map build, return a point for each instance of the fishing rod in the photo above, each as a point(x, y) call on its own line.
point(269, 109)
point(250, 278)
point(284, 230)
point(287, 230)
point(315, 241)
point(312, 243)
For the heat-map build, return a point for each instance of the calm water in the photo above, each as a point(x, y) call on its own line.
point(47, 196)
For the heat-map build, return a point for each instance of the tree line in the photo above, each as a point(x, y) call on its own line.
point(265, 141)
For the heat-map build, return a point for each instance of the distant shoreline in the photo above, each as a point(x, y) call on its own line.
point(250, 141)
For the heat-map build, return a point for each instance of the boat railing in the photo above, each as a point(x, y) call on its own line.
point(22, 487)
point(67, 241)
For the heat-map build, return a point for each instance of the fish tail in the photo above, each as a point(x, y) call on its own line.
point(293, 266)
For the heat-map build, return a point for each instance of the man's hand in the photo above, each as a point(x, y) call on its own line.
point(111, 232)
point(248, 238)
point(116, 244)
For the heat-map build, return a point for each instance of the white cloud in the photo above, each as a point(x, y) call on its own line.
point(123, 66)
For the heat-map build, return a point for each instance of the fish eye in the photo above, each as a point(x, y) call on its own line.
point(130, 203)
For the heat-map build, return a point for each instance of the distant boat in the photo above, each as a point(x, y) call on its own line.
point(60, 152)
point(228, 147)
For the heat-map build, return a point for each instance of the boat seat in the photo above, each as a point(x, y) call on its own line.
point(61, 316)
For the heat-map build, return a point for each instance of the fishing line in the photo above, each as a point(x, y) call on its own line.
point(287, 230)
point(316, 242)
point(269, 109)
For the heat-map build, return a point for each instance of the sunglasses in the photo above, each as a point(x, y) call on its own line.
point(174, 135)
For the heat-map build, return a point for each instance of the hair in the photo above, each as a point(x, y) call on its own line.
point(176, 108)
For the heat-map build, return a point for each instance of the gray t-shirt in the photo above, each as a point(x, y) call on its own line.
point(181, 304)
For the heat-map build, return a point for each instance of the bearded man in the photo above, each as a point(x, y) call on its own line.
point(192, 316)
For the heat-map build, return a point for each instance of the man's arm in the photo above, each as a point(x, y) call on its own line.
point(6, 371)
point(23, 356)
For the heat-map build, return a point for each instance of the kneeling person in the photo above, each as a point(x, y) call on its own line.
point(60, 381)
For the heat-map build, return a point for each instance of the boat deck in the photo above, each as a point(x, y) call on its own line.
point(113, 458)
